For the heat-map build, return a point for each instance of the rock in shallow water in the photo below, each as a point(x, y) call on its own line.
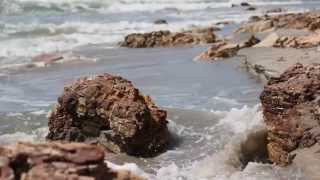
point(226, 49)
point(109, 110)
point(56, 161)
point(168, 39)
point(291, 111)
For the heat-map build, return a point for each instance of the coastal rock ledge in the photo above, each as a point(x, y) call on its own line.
point(169, 39)
point(57, 161)
point(291, 108)
point(108, 110)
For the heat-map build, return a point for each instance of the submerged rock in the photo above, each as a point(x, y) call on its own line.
point(109, 110)
point(168, 39)
point(275, 10)
point(160, 21)
point(251, 8)
point(225, 49)
point(291, 111)
point(244, 4)
point(56, 161)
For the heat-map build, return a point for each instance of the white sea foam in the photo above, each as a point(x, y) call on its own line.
point(37, 135)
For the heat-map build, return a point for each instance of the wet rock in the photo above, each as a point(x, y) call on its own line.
point(110, 111)
point(309, 20)
point(47, 58)
point(244, 4)
point(255, 18)
point(168, 39)
point(291, 111)
point(269, 41)
point(160, 21)
point(225, 49)
point(56, 161)
point(275, 10)
point(224, 23)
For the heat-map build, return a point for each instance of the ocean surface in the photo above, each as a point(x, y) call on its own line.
point(213, 108)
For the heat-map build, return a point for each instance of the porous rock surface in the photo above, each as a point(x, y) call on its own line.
point(169, 39)
point(56, 161)
point(110, 111)
point(291, 105)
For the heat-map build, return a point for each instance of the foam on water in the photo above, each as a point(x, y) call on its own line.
point(239, 125)
point(246, 123)
point(32, 27)
point(36, 135)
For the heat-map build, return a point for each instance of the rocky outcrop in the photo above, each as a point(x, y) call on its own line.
point(223, 50)
point(110, 111)
point(309, 20)
point(169, 39)
point(56, 161)
point(290, 41)
point(291, 111)
point(309, 41)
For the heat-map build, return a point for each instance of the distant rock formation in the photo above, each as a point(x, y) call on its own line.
point(110, 111)
point(57, 161)
point(169, 39)
point(226, 49)
point(291, 111)
point(309, 20)
point(160, 21)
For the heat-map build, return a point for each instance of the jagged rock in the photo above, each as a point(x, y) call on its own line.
point(109, 110)
point(309, 41)
point(290, 41)
point(56, 161)
point(160, 21)
point(226, 49)
point(291, 112)
point(308, 20)
point(168, 39)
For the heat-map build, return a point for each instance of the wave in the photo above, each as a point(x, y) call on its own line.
point(240, 157)
point(9, 7)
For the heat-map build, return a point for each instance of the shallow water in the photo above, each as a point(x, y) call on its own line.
point(212, 108)
point(31, 27)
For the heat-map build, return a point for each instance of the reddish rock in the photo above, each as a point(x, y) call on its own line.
point(109, 110)
point(223, 50)
point(56, 161)
point(291, 111)
point(168, 39)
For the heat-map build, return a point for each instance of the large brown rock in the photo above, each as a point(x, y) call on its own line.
point(56, 161)
point(291, 111)
point(169, 39)
point(110, 111)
